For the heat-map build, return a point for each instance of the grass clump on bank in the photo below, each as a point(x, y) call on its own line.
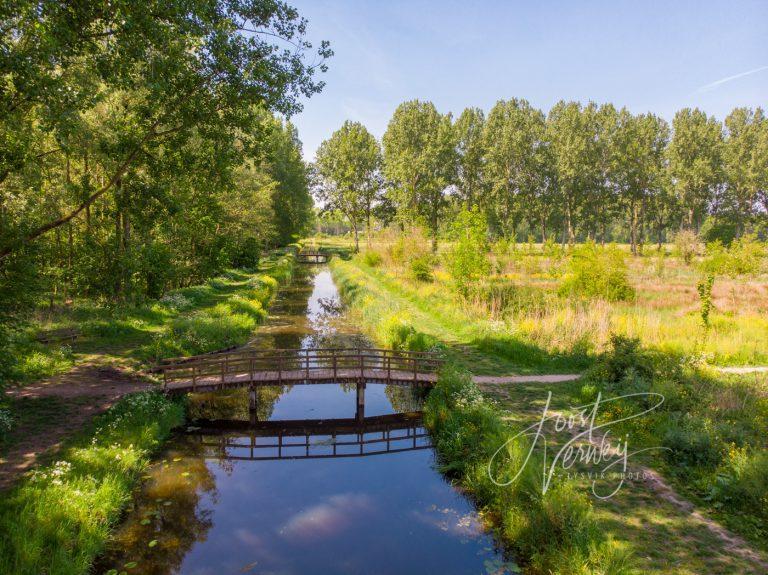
point(552, 532)
point(58, 519)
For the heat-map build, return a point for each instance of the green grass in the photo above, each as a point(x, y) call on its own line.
point(58, 519)
point(529, 311)
point(667, 541)
point(220, 313)
point(471, 341)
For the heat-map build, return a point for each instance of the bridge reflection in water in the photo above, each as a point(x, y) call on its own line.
point(313, 438)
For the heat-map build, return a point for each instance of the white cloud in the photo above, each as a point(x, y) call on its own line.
point(721, 81)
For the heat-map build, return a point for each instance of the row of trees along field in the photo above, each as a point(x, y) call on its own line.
point(143, 145)
point(578, 172)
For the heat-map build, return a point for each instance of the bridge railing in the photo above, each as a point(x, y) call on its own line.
point(293, 364)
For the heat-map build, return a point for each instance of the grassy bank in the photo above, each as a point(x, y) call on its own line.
point(58, 519)
point(401, 314)
point(552, 532)
point(219, 313)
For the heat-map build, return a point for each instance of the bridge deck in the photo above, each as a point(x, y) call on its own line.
point(296, 376)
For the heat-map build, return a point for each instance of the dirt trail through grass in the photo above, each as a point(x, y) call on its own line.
point(51, 410)
point(670, 536)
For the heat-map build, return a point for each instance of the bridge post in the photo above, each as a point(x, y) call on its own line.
point(360, 411)
point(253, 404)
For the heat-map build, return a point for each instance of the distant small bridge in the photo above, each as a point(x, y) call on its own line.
point(253, 367)
point(312, 257)
point(314, 439)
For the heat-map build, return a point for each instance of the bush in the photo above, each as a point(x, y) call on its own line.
point(421, 268)
point(597, 272)
point(743, 482)
point(744, 257)
point(692, 443)
point(687, 245)
point(372, 259)
point(399, 333)
point(467, 260)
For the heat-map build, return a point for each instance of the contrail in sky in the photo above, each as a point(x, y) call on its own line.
point(721, 81)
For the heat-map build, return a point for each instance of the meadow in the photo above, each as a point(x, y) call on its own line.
point(629, 325)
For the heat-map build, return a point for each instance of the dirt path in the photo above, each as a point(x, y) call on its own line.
point(57, 407)
point(502, 379)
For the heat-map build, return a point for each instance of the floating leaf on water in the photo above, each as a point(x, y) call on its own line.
point(153, 543)
point(177, 458)
point(167, 503)
point(111, 572)
point(130, 565)
point(185, 474)
point(145, 521)
point(249, 567)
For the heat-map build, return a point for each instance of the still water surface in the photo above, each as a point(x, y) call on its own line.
point(313, 496)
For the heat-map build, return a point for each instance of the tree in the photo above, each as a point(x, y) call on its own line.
point(420, 161)
point(158, 72)
point(572, 136)
point(695, 162)
point(471, 156)
point(745, 162)
point(348, 164)
point(637, 167)
point(515, 164)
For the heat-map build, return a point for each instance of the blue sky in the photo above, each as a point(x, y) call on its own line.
point(646, 55)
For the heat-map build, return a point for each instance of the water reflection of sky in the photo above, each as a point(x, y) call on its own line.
point(382, 514)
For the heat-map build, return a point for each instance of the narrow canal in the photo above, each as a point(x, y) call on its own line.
point(299, 493)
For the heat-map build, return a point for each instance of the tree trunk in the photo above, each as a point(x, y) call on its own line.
point(633, 226)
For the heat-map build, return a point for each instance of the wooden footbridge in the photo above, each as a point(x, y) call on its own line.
point(312, 257)
point(255, 367)
point(314, 439)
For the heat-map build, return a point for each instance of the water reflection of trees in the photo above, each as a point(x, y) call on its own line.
point(405, 398)
point(169, 515)
point(233, 403)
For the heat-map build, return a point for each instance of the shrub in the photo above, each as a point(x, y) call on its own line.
point(372, 258)
point(597, 272)
point(399, 333)
point(692, 443)
point(467, 260)
point(743, 257)
point(687, 245)
point(421, 268)
point(743, 482)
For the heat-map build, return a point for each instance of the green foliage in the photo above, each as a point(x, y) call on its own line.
point(58, 519)
point(420, 267)
point(420, 161)
point(704, 287)
point(597, 272)
point(348, 164)
point(141, 154)
point(468, 261)
point(744, 256)
point(372, 258)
